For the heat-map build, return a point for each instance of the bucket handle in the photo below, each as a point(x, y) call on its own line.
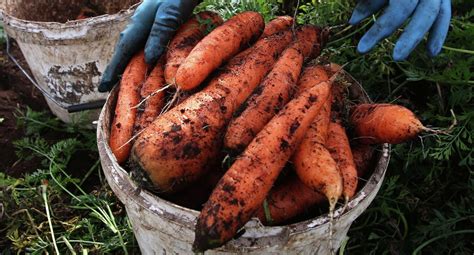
point(70, 108)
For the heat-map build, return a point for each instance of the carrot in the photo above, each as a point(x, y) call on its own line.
point(217, 47)
point(314, 164)
point(384, 123)
point(125, 111)
point(313, 34)
point(154, 102)
point(187, 36)
point(339, 91)
point(176, 148)
point(276, 25)
point(363, 154)
point(243, 188)
point(270, 96)
point(338, 145)
point(287, 200)
point(311, 75)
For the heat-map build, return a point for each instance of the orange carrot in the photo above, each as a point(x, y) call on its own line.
point(217, 47)
point(314, 164)
point(125, 111)
point(313, 34)
point(311, 75)
point(287, 200)
point(243, 188)
point(151, 108)
point(177, 147)
point(273, 93)
point(276, 25)
point(384, 123)
point(187, 36)
point(338, 145)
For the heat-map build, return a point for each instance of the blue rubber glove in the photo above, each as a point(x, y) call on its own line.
point(425, 15)
point(153, 24)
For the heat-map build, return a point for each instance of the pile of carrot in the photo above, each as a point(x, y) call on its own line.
point(255, 93)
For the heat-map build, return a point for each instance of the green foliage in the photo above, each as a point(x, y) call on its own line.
point(324, 12)
point(51, 201)
point(227, 9)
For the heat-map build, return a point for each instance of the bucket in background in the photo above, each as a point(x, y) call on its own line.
point(67, 55)
point(162, 227)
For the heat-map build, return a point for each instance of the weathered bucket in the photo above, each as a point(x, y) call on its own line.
point(162, 227)
point(67, 56)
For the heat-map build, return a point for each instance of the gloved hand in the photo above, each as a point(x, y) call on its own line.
point(432, 15)
point(154, 23)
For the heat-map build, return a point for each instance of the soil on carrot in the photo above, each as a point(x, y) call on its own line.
point(16, 94)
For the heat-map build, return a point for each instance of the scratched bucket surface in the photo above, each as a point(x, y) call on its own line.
point(162, 227)
point(67, 56)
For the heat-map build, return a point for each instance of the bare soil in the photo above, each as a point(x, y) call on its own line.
point(16, 92)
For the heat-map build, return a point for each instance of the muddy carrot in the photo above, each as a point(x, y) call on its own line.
point(276, 25)
point(153, 101)
point(286, 201)
point(217, 47)
point(186, 38)
point(338, 145)
point(125, 110)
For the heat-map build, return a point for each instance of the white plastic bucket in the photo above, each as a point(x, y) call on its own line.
point(66, 57)
point(162, 227)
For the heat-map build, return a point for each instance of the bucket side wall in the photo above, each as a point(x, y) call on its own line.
point(68, 60)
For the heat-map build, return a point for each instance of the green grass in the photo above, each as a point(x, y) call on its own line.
point(48, 210)
point(423, 207)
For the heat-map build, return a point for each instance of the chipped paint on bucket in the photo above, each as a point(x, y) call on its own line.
point(66, 57)
point(162, 227)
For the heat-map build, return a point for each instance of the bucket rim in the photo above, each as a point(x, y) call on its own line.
point(18, 23)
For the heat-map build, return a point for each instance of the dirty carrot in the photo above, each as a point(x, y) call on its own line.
point(243, 188)
point(276, 25)
point(286, 201)
point(154, 102)
point(338, 145)
point(217, 47)
point(310, 76)
point(125, 111)
point(187, 36)
point(384, 123)
point(176, 148)
point(314, 164)
point(313, 34)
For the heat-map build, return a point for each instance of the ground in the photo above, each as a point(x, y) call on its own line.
point(16, 92)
